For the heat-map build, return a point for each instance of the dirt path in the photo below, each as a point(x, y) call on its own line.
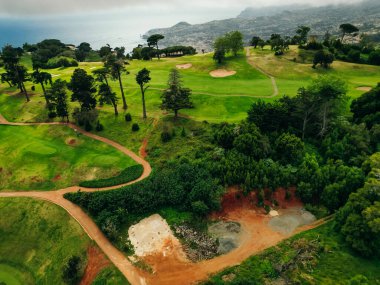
point(172, 269)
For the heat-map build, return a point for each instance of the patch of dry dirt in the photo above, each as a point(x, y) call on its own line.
point(219, 73)
point(96, 262)
point(184, 66)
point(153, 235)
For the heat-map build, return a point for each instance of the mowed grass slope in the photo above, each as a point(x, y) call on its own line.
point(36, 240)
point(291, 75)
point(53, 157)
point(215, 99)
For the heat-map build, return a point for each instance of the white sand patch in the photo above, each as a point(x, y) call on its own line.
point(152, 235)
point(222, 73)
point(273, 213)
point(55, 75)
point(184, 66)
point(364, 88)
point(93, 67)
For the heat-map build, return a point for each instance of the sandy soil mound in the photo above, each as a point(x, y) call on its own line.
point(364, 88)
point(184, 66)
point(222, 73)
point(152, 235)
point(290, 219)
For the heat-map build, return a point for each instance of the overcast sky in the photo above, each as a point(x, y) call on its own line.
point(22, 8)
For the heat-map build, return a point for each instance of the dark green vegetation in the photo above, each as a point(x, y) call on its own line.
point(319, 256)
point(53, 157)
point(37, 251)
point(183, 186)
point(127, 175)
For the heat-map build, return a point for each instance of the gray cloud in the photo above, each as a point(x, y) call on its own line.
point(16, 8)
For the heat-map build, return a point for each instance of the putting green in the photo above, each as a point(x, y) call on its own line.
point(39, 158)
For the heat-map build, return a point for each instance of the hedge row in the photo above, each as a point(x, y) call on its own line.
point(129, 174)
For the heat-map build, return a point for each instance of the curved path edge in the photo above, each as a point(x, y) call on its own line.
point(133, 274)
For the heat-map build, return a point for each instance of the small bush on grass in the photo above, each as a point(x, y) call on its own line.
point(127, 175)
point(128, 117)
point(71, 271)
point(99, 127)
point(135, 127)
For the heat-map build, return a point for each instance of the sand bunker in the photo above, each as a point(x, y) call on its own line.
point(184, 66)
point(289, 220)
point(151, 235)
point(222, 73)
point(364, 88)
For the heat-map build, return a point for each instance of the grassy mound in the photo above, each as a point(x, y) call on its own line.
point(127, 175)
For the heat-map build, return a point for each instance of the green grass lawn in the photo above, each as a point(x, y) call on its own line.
point(291, 75)
point(335, 265)
point(53, 157)
point(36, 240)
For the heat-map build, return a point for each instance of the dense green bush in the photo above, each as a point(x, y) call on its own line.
point(177, 185)
point(129, 174)
point(135, 127)
point(61, 61)
point(128, 117)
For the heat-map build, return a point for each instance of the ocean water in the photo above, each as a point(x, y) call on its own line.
point(115, 27)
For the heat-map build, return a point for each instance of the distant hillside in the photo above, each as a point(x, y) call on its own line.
point(283, 20)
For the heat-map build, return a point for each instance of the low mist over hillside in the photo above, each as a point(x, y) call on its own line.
point(281, 19)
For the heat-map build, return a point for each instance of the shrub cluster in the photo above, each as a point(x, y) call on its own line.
point(129, 174)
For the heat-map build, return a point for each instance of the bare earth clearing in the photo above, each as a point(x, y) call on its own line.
point(220, 73)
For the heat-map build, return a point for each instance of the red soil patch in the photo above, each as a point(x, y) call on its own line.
point(72, 141)
point(142, 151)
point(57, 178)
point(96, 262)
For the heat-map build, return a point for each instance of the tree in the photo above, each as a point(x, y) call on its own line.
point(153, 41)
point(71, 271)
point(107, 96)
point(43, 78)
point(83, 87)
point(374, 57)
point(219, 55)
point(278, 44)
point(255, 41)
point(347, 29)
point(16, 73)
point(261, 44)
point(142, 78)
point(324, 58)
point(305, 108)
point(235, 42)
point(176, 97)
point(301, 35)
point(58, 99)
point(366, 108)
point(105, 51)
point(82, 51)
point(117, 68)
point(102, 74)
point(289, 148)
point(329, 91)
